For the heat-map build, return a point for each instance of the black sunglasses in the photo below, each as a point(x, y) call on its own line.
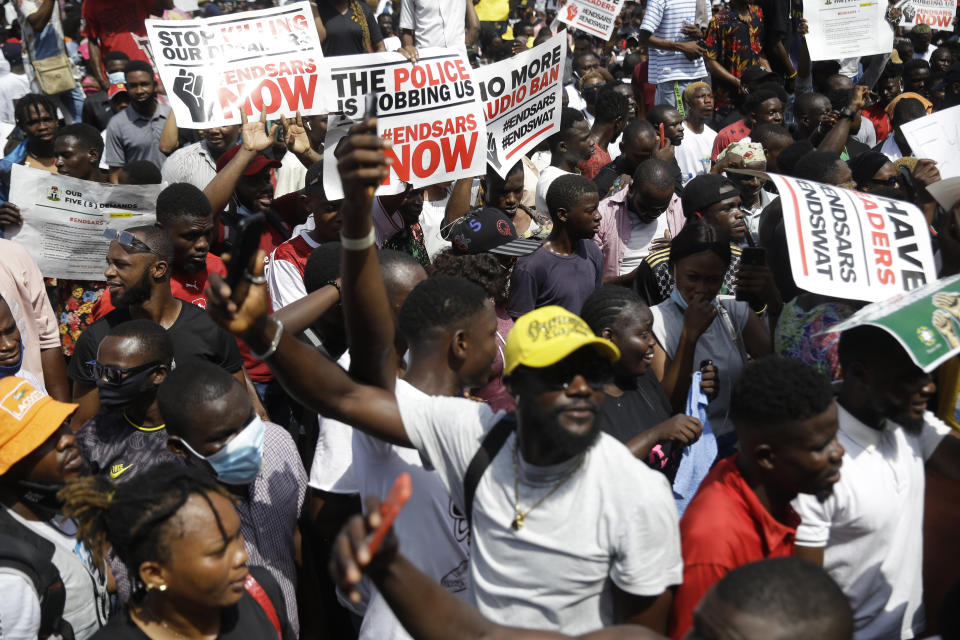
point(115, 375)
point(128, 241)
point(597, 373)
point(892, 181)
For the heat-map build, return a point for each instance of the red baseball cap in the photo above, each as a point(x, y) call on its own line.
point(120, 87)
point(259, 163)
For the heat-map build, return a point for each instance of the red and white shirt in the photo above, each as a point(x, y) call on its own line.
point(285, 270)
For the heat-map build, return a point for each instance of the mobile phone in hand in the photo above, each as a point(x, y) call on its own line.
point(753, 257)
point(249, 230)
point(663, 137)
point(390, 509)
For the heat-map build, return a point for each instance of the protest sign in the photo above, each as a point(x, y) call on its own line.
point(853, 245)
point(935, 136)
point(938, 14)
point(926, 321)
point(428, 110)
point(64, 219)
point(596, 17)
point(847, 28)
point(522, 99)
point(214, 68)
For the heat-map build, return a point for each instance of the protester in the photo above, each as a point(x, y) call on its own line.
point(696, 147)
point(610, 118)
point(134, 132)
point(734, 41)
point(639, 142)
point(571, 145)
point(78, 149)
point(763, 106)
point(98, 107)
point(349, 28)
point(676, 58)
point(197, 163)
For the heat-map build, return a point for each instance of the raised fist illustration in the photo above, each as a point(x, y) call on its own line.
point(189, 88)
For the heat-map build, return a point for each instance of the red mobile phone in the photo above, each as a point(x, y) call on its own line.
point(663, 137)
point(390, 509)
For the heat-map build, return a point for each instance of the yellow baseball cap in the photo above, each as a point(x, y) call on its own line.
point(28, 416)
point(547, 335)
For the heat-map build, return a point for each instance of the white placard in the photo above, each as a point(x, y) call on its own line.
point(596, 17)
point(938, 14)
point(935, 137)
point(847, 28)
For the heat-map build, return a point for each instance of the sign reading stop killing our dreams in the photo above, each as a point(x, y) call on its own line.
point(853, 245)
point(428, 110)
point(215, 67)
point(522, 101)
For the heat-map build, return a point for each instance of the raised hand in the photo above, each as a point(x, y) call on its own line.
point(943, 323)
point(351, 557)
point(254, 135)
point(243, 311)
point(948, 301)
point(295, 134)
point(362, 162)
point(10, 215)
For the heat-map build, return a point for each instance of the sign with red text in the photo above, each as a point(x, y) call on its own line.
point(938, 14)
point(522, 101)
point(214, 68)
point(596, 17)
point(429, 111)
point(847, 28)
point(853, 245)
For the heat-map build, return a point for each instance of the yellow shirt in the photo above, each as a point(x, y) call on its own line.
point(492, 10)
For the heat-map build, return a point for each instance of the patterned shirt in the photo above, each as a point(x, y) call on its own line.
point(116, 447)
point(192, 164)
point(654, 280)
point(734, 42)
point(799, 334)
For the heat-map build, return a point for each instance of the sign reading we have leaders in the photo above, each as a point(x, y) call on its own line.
point(522, 101)
point(926, 321)
point(853, 245)
point(596, 17)
point(64, 219)
point(428, 110)
point(213, 68)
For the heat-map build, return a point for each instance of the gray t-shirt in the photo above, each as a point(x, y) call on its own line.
point(544, 278)
point(715, 344)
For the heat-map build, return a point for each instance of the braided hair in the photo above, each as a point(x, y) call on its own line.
point(360, 18)
point(134, 518)
point(481, 268)
point(608, 304)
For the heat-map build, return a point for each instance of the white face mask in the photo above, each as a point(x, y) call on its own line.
point(116, 77)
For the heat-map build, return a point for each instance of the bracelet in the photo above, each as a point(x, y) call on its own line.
point(273, 343)
point(358, 244)
point(793, 75)
point(335, 285)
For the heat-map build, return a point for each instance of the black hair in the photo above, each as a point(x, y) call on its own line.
point(795, 594)
point(142, 172)
point(806, 101)
point(580, 56)
point(151, 338)
point(824, 68)
point(396, 268)
point(87, 135)
point(916, 63)
point(565, 191)
point(777, 390)
point(182, 199)
point(605, 306)
point(907, 110)
point(138, 65)
point(658, 113)
point(638, 127)
point(483, 269)
point(611, 105)
point(768, 132)
point(437, 303)
point(655, 172)
point(157, 239)
point(696, 237)
point(568, 118)
point(193, 383)
point(322, 266)
point(818, 166)
point(839, 98)
point(494, 183)
point(777, 88)
point(865, 344)
point(134, 518)
point(116, 55)
point(891, 70)
point(756, 98)
point(30, 102)
point(792, 154)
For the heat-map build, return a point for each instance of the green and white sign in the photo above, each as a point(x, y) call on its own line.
point(926, 321)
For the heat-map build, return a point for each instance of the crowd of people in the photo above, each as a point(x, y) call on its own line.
point(620, 414)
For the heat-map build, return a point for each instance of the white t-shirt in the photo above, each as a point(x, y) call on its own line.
point(638, 245)
point(435, 24)
point(891, 149)
point(693, 154)
point(291, 175)
point(431, 221)
point(613, 519)
point(332, 466)
point(872, 525)
point(547, 176)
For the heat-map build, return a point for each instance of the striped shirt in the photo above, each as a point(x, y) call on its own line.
point(665, 20)
point(192, 163)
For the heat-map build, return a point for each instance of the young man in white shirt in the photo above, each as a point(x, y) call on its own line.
point(869, 534)
point(693, 153)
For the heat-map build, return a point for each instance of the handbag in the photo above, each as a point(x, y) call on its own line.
point(55, 74)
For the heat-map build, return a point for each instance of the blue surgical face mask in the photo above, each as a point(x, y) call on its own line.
point(116, 77)
point(677, 297)
point(238, 462)
point(14, 369)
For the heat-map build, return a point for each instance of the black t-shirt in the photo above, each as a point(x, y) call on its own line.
point(97, 110)
point(344, 34)
point(193, 334)
point(637, 410)
point(245, 620)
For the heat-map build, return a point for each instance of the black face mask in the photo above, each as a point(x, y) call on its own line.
point(41, 497)
point(590, 94)
point(115, 395)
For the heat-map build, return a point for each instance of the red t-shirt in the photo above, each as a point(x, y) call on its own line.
point(723, 528)
point(727, 136)
point(117, 24)
point(880, 119)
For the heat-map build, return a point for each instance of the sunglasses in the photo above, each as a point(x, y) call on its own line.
point(559, 377)
point(128, 241)
point(892, 181)
point(115, 375)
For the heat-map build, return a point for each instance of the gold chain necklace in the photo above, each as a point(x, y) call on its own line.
point(519, 516)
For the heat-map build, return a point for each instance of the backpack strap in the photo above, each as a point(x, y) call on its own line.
point(489, 448)
point(256, 591)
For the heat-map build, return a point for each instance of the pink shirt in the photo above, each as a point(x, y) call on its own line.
point(615, 227)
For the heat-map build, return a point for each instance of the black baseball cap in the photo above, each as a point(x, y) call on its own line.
point(488, 230)
point(706, 190)
point(757, 74)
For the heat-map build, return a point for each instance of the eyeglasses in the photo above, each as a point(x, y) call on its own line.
point(892, 181)
point(128, 241)
point(115, 375)
point(559, 377)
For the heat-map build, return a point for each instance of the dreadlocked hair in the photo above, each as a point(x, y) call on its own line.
point(133, 517)
point(605, 306)
point(481, 268)
point(31, 102)
point(360, 18)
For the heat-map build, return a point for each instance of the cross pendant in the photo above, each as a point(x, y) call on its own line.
point(517, 523)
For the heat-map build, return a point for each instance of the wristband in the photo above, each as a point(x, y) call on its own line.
point(273, 343)
point(358, 244)
point(847, 113)
point(792, 75)
point(335, 285)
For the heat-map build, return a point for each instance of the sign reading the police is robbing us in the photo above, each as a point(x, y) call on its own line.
point(522, 101)
point(853, 245)
point(429, 111)
point(215, 68)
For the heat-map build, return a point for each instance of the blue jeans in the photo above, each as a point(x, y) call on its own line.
point(671, 93)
